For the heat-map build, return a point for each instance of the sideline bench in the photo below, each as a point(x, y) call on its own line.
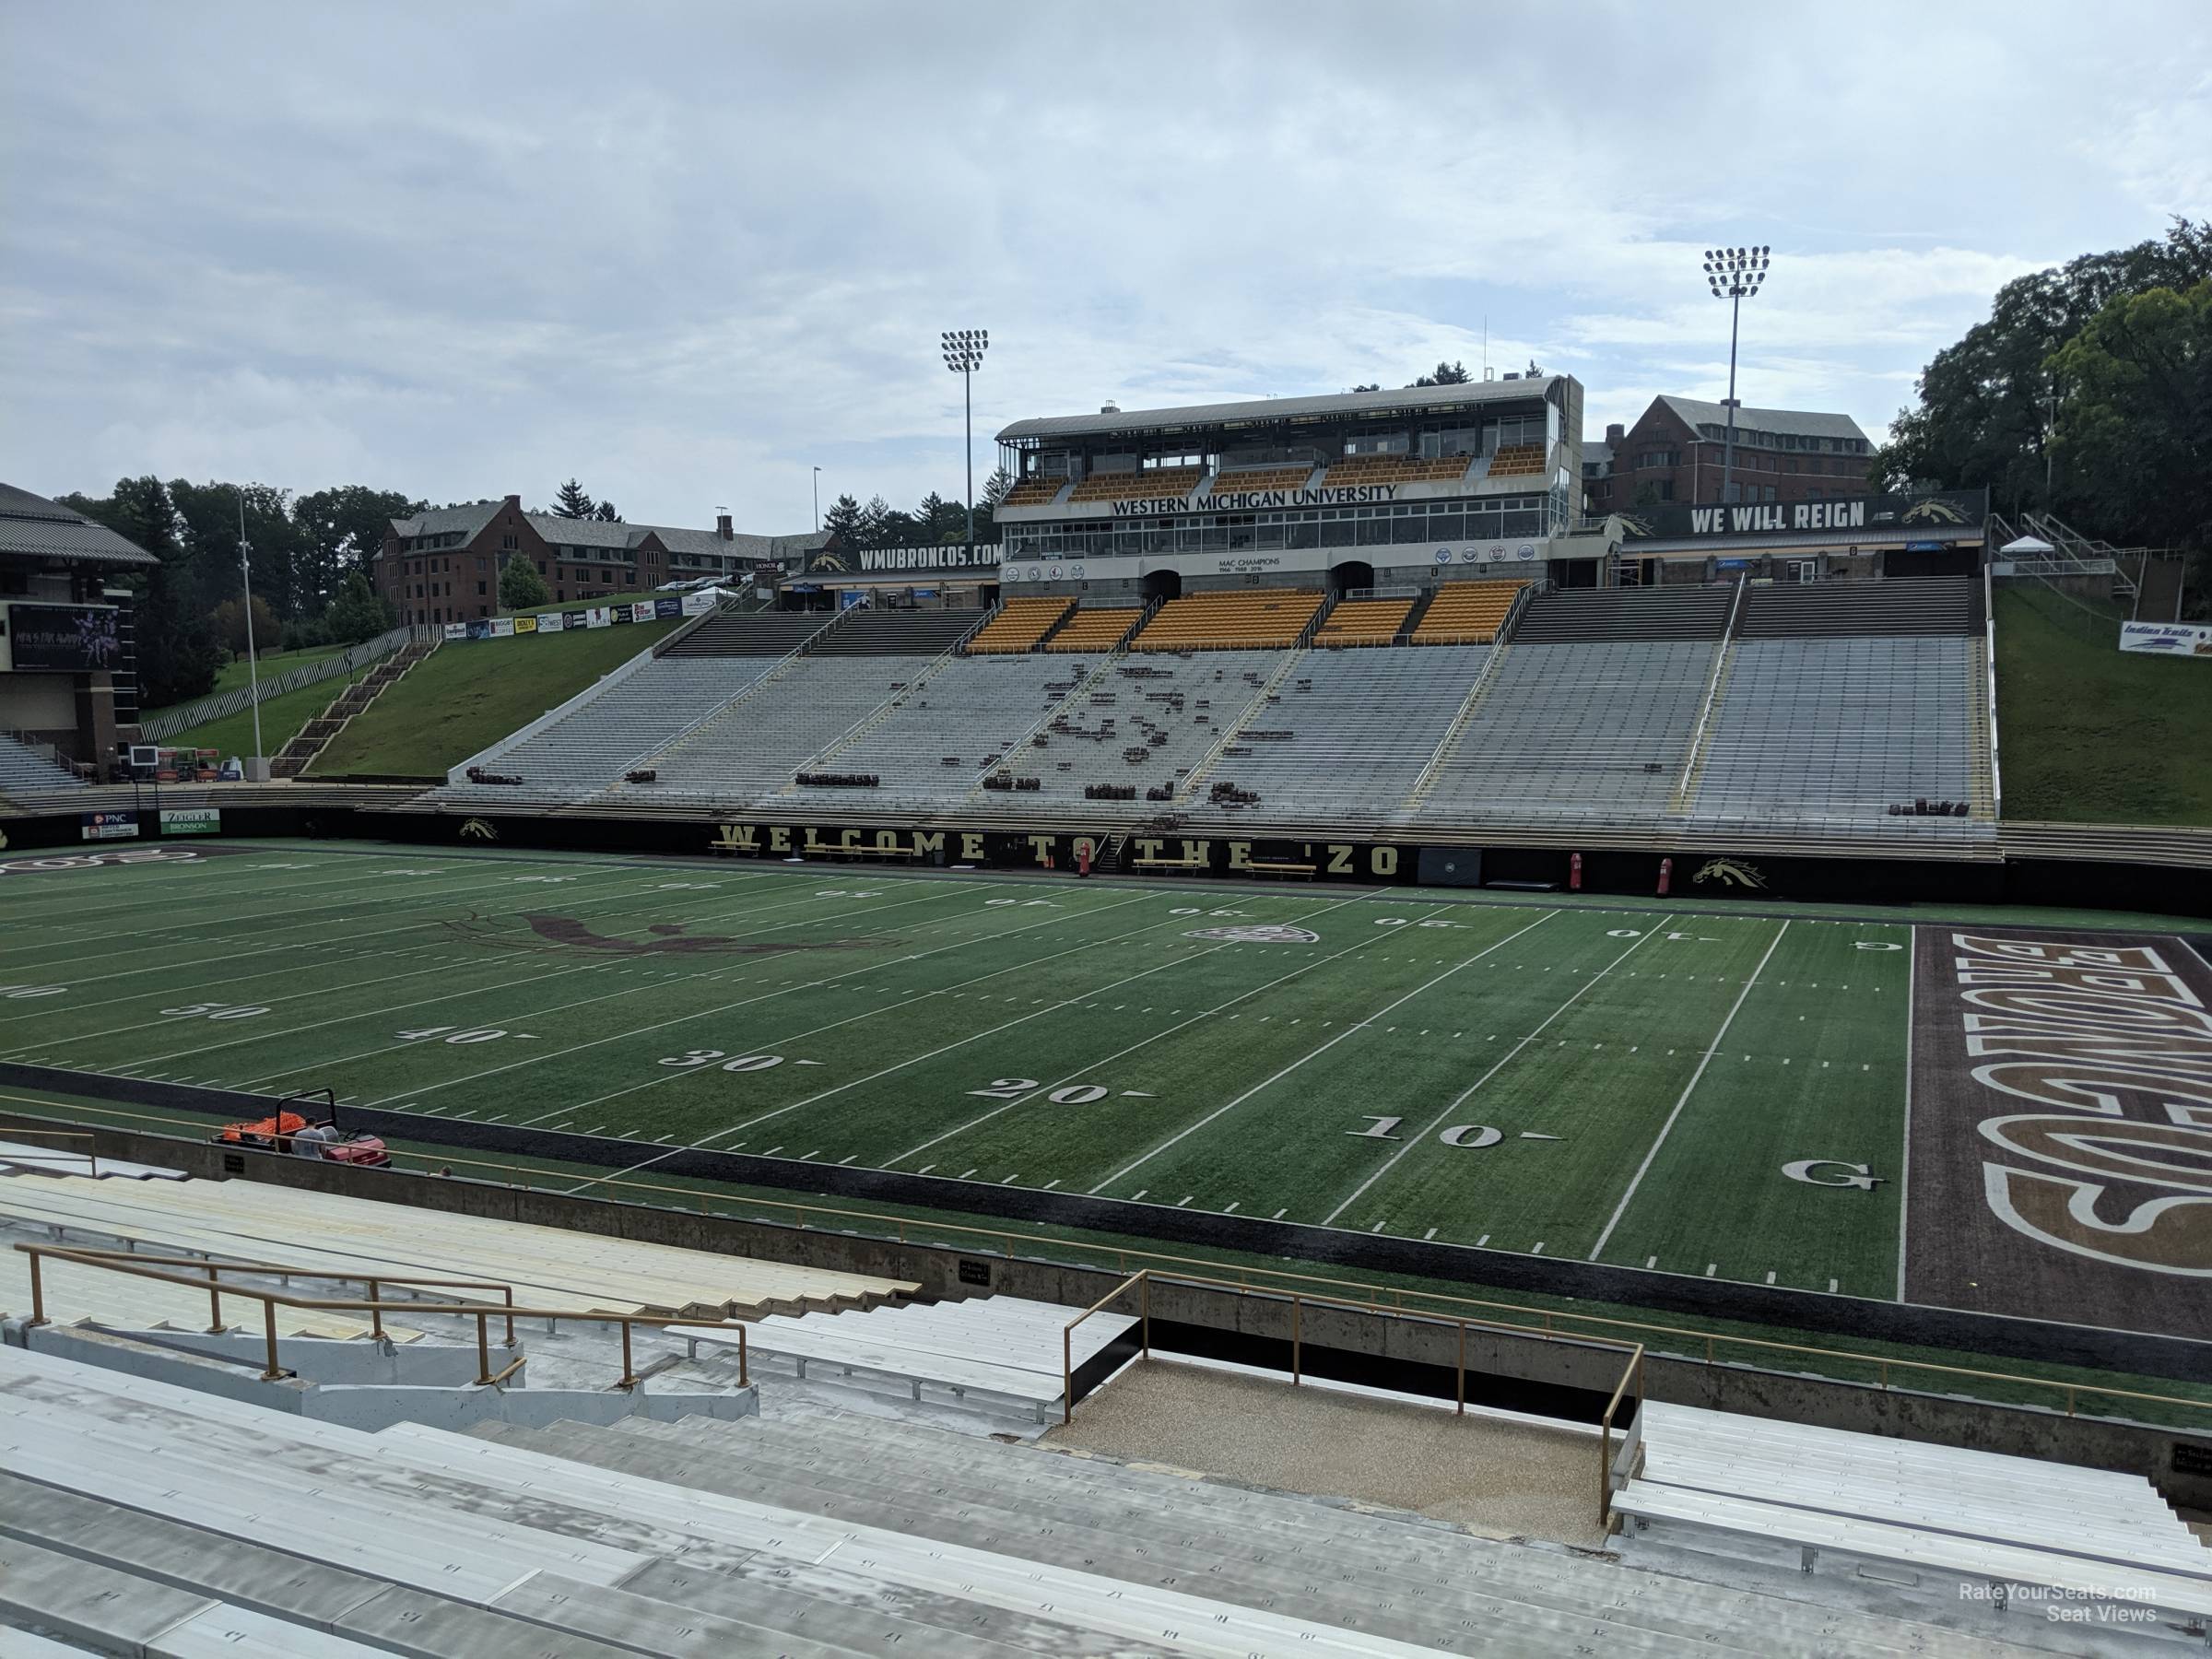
point(1169, 864)
point(1269, 869)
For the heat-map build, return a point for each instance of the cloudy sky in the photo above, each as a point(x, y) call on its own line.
point(689, 252)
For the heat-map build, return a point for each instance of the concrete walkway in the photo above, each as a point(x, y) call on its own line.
point(1497, 1477)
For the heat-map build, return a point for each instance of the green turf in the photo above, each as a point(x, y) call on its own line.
point(1619, 1081)
point(469, 694)
point(233, 675)
point(281, 718)
point(1575, 1082)
point(2089, 734)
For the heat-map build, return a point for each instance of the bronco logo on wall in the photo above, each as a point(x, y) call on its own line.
point(1729, 872)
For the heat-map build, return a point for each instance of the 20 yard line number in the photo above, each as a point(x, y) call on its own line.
point(1013, 1088)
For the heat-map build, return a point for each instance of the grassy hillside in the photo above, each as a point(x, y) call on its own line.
point(281, 718)
point(473, 692)
point(2087, 734)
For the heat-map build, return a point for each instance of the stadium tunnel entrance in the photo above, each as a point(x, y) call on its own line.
point(1349, 576)
point(1163, 585)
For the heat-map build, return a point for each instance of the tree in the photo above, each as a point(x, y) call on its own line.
point(883, 525)
point(1984, 406)
point(1368, 386)
point(2134, 428)
point(986, 509)
point(177, 651)
point(229, 620)
point(843, 521)
point(939, 523)
point(358, 612)
point(342, 529)
point(520, 587)
point(606, 513)
point(1445, 374)
point(572, 502)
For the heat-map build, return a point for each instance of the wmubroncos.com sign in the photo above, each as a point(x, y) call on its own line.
point(1924, 517)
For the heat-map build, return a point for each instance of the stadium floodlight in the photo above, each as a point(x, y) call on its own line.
point(1734, 275)
point(245, 579)
point(964, 349)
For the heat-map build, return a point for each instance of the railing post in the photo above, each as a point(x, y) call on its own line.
point(269, 1330)
point(1605, 1475)
point(744, 1378)
point(483, 1353)
point(1297, 1339)
point(1067, 1373)
point(215, 1303)
point(1463, 1370)
point(37, 1292)
point(1143, 1309)
point(1883, 1364)
point(630, 1378)
point(376, 1314)
point(506, 1293)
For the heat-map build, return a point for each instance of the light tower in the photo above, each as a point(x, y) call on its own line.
point(964, 349)
point(1735, 274)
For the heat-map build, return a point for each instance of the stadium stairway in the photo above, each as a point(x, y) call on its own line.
point(24, 768)
point(315, 737)
point(1590, 616)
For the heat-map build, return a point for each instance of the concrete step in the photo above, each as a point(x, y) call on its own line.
point(1428, 1607)
point(246, 1574)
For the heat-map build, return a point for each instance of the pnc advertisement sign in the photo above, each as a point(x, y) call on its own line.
point(108, 826)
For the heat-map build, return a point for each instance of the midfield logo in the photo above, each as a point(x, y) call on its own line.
point(1261, 933)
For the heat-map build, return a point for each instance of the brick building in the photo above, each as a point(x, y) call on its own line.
point(443, 566)
point(1674, 454)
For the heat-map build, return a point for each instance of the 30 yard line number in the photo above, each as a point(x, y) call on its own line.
point(693, 1059)
point(215, 1010)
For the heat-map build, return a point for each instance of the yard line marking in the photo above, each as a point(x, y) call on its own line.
point(1504, 1060)
point(1232, 1206)
point(1650, 1260)
point(1050, 1185)
point(1904, 1167)
point(585, 1002)
point(1666, 1128)
point(454, 996)
point(1315, 1054)
point(898, 1006)
point(1429, 1234)
point(983, 1118)
point(1279, 1213)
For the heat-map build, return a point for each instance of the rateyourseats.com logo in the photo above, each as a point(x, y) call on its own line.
point(2114, 1605)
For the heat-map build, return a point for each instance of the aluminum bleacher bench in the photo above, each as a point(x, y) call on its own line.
point(1272, 868)
point(1167, 864)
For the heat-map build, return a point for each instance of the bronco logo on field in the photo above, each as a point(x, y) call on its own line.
point(1266, 933)
point(1729, 872)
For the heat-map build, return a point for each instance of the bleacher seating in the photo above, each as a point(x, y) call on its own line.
point(1933, 1518)
point(1034, 490)
point(1517, 461)
point(595, 742)
point(1833, 609)
point(1363, 622)
point(1132, 486)
point(1397, 469)
point(1262, 478)
point(1566, 616)
point(24, 768)
point(1467, 613)
point(1095, 628)
point(751, 633)
point(1359, 726)
point(145, 1517)
point(1585, 731)
point(1018, 624)
point(1146, 722)
point(876, 632)
point(1808, 729)
point(998, 1353)
point(753, 747)
point(1237, 620)
point(246, 1220)
point(934, 739)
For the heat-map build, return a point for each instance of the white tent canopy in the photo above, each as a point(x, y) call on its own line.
point(2027, 547)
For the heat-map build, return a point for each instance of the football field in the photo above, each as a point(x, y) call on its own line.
point(1715, 1095)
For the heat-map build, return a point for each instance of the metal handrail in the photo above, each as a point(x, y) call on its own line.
point(1123, 1255)
point(140, 1266)
point(91, 1154)
point(1631, 1374)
